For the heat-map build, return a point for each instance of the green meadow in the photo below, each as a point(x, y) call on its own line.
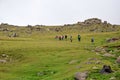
point(39, 56)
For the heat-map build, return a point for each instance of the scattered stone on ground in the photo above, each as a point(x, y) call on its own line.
point(89, 62)
point(98, 62)
point(3, 61)
point(106, 69)
point(98, 49)
point(95, 67)
point(97, 53)
point(46, 72)
point(108, 55)
point(78, 67)
point(3, 55)
point(73, 61)
point(81, 76)
point(112, 39)
point(4, 58)
point(103, 50)
point(112, 78)
point(92, 59)
point(118, 60)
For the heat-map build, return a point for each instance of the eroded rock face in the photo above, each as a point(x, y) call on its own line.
point(81, 76)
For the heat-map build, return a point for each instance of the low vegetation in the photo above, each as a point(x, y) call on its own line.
point(34, 53)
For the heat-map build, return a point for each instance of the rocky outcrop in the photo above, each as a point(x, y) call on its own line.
point(93, 21)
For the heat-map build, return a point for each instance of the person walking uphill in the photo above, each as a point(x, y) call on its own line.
point(65, 37)
point(70, 38)
point(92, 40)
point(79, 37)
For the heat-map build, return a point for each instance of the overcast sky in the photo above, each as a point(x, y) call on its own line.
point(58, 12)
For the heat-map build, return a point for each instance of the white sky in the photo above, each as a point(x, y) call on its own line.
point(57, 12)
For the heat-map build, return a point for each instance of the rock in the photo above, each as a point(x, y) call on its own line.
point(112, 78)
point(3, 55)
point(78, 67)
point(106, 69)
point(14, 35)
point(46, 72)
point(118, 60)
point(98, 62)
point(97, 53)
point(89, 63)
point(103, 51)
point(92, 59)
point(92, 21)
point(108, 55)
point(98, 49)
point(94, 67)
point(81, 76)
point(40, 73)
point(3, 61)
point(73, 62)
point(105, 22)
point(112, 39)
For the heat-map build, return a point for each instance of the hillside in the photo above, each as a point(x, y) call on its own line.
point(89, 25)
point(33, 52)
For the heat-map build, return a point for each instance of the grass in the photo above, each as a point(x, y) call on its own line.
point(41, 57)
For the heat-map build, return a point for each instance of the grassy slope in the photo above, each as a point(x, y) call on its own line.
point(36, 54)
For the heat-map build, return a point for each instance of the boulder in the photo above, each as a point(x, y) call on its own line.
point(80, 76)
point(106, 69)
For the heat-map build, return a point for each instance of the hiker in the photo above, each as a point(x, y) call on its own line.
point(79, 37)
point(92, 40)
point(56, 37)
point(65, 37)
point(60, 37)
point(70, 38)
